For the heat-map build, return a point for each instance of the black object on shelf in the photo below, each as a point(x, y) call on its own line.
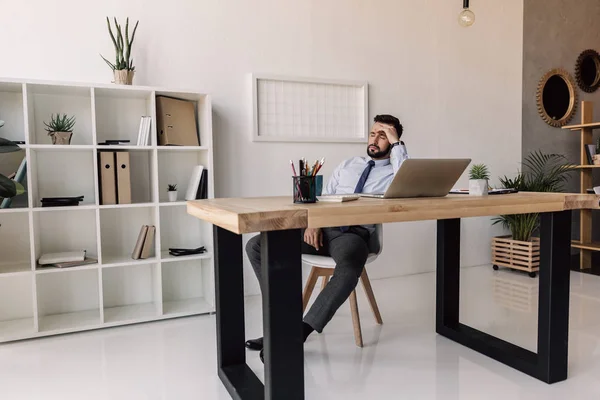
point(61, 201)
point(186, 252)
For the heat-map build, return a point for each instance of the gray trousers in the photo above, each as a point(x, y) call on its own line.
point(349, 250)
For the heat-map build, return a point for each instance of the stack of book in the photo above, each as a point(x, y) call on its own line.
point(65, 259)
point(145, 243)
point(61, 201)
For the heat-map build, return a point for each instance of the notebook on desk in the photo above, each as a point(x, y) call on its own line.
point(424, 177)
point(338, 198)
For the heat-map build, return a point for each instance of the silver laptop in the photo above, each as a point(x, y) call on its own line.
point(424, 177)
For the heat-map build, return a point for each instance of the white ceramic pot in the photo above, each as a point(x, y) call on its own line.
point(478, 187)
point(172, 195)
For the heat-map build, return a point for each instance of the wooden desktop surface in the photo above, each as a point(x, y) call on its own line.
point(260, 214)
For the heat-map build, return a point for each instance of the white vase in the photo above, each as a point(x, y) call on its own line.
point(478, 187)
point(172, 195)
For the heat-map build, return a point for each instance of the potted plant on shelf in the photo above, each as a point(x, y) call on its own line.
point(521, 250)
point(60, 128)
point(479, 177)
point(172, 192)
point(123, 68)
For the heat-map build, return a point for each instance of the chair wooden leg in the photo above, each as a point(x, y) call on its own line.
point(356, 319)
point(310, 286)
point(369, 291)
point(324, 282)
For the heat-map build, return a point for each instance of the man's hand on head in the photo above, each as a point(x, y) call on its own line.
point(390, 132)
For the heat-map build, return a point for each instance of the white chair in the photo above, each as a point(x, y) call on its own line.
point(322, 267)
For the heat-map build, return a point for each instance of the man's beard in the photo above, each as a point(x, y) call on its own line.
point(378, 153)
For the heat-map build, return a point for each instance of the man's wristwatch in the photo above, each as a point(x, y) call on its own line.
point(399, 142)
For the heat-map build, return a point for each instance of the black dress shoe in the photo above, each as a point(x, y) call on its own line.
point(255, 344)
point(262, 356)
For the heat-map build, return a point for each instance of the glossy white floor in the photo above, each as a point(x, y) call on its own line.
point(403, 359)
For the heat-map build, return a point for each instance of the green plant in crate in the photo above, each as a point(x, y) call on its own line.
point(543, 173)
point(479, 171)
point(60, 128)
point(172, 187)
point(123, 67)
point(8, 187)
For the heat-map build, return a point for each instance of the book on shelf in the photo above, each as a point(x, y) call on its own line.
point(145, 243)
point(590, 150)
point(202, 191)
point(143, 138)
point(176, 122)
point(194, 182)
point(70, 264)
point(62, 257)
point(115, 177)
point(61, 201)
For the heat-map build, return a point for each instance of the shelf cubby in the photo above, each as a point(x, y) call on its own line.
point(57, 231)
point(131, 293)
point(11, 111)
point(59, 172)
point(203, 108)
point(16, 307)
point(176, 167)
point(119, 229)
point(9, 164)
point(186, 287)
point(14, 256)
point(180, 230)
point(118, 113)
point(68, 301)
point(44, 100)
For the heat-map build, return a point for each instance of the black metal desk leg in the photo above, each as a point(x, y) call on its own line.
point(282, 314)
point(553, 311)
point(550, 362)
point(448, 274)
point(239, 380)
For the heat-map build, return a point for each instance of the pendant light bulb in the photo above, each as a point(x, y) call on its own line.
point(467, 17)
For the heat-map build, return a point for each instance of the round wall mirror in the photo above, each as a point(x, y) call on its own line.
point(556, 97)
point(587, 71)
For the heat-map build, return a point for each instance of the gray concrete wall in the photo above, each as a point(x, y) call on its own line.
point(555, 32)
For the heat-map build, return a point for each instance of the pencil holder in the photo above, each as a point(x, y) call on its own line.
point(305, 189)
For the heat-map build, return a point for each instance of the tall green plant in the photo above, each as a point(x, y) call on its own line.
point(8, 187)
point(122, 45)
point(542, 173)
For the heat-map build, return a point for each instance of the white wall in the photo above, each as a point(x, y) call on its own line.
point(457, 91)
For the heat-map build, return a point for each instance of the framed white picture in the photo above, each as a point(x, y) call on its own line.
point(294, 109)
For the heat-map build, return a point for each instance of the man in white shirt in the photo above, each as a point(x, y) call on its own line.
point(349, 246)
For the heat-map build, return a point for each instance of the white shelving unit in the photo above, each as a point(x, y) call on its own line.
point(118, 290)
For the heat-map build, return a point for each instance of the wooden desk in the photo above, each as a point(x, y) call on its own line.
point(280, 223)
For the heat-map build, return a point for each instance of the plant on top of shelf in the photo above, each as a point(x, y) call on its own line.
point(60, 128)
point(123, 68)
point(172, 192)
point(8, 187)
point(479, 175)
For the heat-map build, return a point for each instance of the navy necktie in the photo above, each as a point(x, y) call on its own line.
point(360, 185)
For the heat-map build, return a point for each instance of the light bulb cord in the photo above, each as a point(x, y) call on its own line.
point(465, 3)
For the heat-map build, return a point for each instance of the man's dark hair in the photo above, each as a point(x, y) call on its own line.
point(390, 120)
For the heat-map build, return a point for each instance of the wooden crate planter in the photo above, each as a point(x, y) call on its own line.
point(515, 254)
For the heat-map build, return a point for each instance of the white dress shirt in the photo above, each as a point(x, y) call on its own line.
point(346, 175)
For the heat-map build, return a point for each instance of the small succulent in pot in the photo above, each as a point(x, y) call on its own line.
point(479, 176)
point(172, 192)
point(60, 128)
